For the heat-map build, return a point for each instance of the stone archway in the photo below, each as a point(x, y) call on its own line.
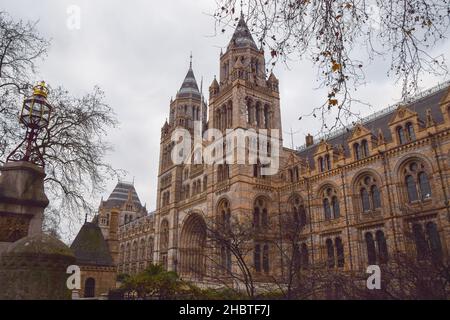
point(192, 248)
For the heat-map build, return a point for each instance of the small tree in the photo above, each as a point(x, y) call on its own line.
point(154, 282)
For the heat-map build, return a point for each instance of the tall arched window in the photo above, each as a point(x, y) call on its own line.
point(410, 131)
point(434, 241)
point(371, 252)
point(340, 252)
point(261, 211)
point(357, 151)
point(369, 193)
point(331, 204)
point(401, 135)
point(330, 253)
point(266, 265)
point(382, 247)
point(417, 182)
point(257, 258)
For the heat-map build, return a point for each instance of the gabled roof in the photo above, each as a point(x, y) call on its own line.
point(242, 36)
point(90, 247)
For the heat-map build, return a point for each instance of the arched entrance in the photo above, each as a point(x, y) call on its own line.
point(89, 288)
point(192, 247)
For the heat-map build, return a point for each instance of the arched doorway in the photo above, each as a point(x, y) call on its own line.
point(89, 288)
point(193, 241)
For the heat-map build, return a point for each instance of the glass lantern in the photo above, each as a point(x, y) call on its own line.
point(36, 110)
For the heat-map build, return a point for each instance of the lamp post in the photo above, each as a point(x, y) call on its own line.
point(35, 116)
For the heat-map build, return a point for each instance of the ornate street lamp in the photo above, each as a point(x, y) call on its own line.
point(35, 116)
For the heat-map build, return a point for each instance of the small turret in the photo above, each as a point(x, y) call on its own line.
point(214, 88)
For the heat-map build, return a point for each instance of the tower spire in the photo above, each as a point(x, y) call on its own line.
point(190, 63)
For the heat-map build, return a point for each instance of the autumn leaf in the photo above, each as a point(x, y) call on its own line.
point(333, 102)
point(336, 67)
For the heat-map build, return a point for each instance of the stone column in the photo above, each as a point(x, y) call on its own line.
point(22, 202)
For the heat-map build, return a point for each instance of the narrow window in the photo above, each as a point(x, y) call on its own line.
point(264, 218)
point(257, 258)
point(365, 148)
point(410, 131)
point(328, 162)
point(371, 253)
point(304, 256)
point(401, 135)
point(411, 188)
point(266, 258)
point(321, 165)
point(302, 216)
point(357, 151)
point(340, 253)
point(424, 185)
point(375, 194)
point(420, 242)
point(382, 247)
point(434, 240)
point(327, 209)
point(256, 217)
point(330, 253)
point(365, 200)
point(336, 209)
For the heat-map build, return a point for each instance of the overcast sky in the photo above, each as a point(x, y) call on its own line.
point(138, 53)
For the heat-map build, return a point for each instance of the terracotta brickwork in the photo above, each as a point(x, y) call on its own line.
point(386, 179)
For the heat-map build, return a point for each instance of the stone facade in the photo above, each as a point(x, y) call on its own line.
point(360, 195)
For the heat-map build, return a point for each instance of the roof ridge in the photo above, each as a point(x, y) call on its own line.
point(378, 114)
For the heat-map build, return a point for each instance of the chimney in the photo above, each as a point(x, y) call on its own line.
point(309, 140)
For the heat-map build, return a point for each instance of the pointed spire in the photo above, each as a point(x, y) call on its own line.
point(242, 36)
point(189, 86)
